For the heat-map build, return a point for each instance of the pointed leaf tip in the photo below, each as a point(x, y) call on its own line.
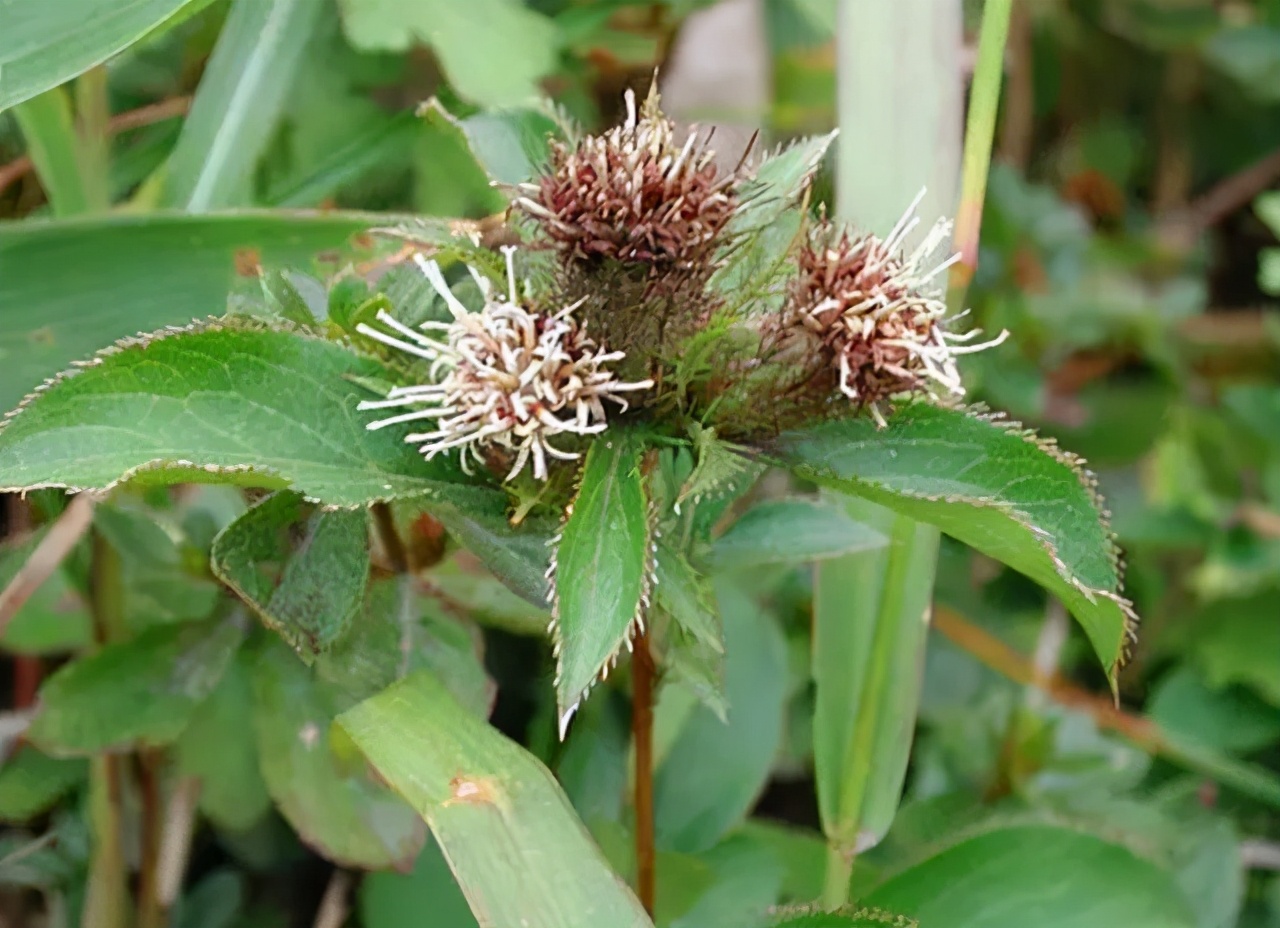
point(989, 483)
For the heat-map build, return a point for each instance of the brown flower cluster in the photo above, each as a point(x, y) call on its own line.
point(873, 315)
point(632, 195)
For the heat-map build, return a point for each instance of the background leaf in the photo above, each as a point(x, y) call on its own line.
point(141, 691)
point(316, 589)
point(466, 41)
point(791, 531)
point(239, 100)
point(1021, 876)
point(97, 280)
point(216, 749)
point(335, 807)
point(714, 771)
point(53, 42)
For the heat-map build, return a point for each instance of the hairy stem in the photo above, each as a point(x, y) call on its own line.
point(642, 673)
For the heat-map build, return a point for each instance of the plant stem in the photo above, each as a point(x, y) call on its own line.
point(984, 101)
point(642, 673)
point(835, 884)
point(384, 524)
point(106, 893)
point(151, 827)
point(333, 905)
point(175, 842)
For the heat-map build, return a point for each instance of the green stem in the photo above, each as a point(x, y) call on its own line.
point(984, 101)
point(106, 893)
point(835, 884)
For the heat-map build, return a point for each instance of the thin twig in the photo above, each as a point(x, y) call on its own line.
point(1259, 854)
point(57, 543)
point(333, 905)
point(1220, 201)
point(150, 828)
point(147, 115)
point(1018, 124)
point(1005, 660)
point(642, 673)
point(175, 841)
point(48, 839)
point(384, 525)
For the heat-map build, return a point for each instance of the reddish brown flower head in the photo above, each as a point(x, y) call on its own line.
point(877, 313)
point(633, 195)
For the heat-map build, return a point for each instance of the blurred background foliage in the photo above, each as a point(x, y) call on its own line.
point(1131, 242)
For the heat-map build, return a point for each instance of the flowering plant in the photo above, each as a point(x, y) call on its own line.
point(582, 396)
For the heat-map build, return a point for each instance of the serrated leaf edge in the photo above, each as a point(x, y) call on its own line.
point(649, 580)
point(1088, 481)
point(195, 327)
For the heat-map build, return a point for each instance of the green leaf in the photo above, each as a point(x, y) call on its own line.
point(341, 813)
point(719, 471)
point(688, 597)
point(1228, 719)
point(713, 773)
point(399, 632)
point(1251, 56)
point(163, 577)
point(478, 792)
point(1238, 641)
point(31, 782)
point(871, 614)
point(393, 900)
point(218, 749)
point(766, 223)
point(746, 881)
point(138, 692)
point(991, 486)
point(790, 531)
point(225, 403)
point(376, 147)
point(602, 569)
point(518, 556)
point(302, 569)
point(509, 145)
point(97, 280)
point(1034, 875)
point(52, 143)
point(238, 103)
point(52, 42)
point(467, 41)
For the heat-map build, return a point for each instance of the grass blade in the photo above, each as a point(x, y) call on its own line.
point(238, 102)
point(49, 43)
point(517, 850)
point(52, 144)
point(869, 607)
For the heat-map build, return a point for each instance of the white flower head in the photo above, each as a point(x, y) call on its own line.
point(880, 310)
point(505, 379)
